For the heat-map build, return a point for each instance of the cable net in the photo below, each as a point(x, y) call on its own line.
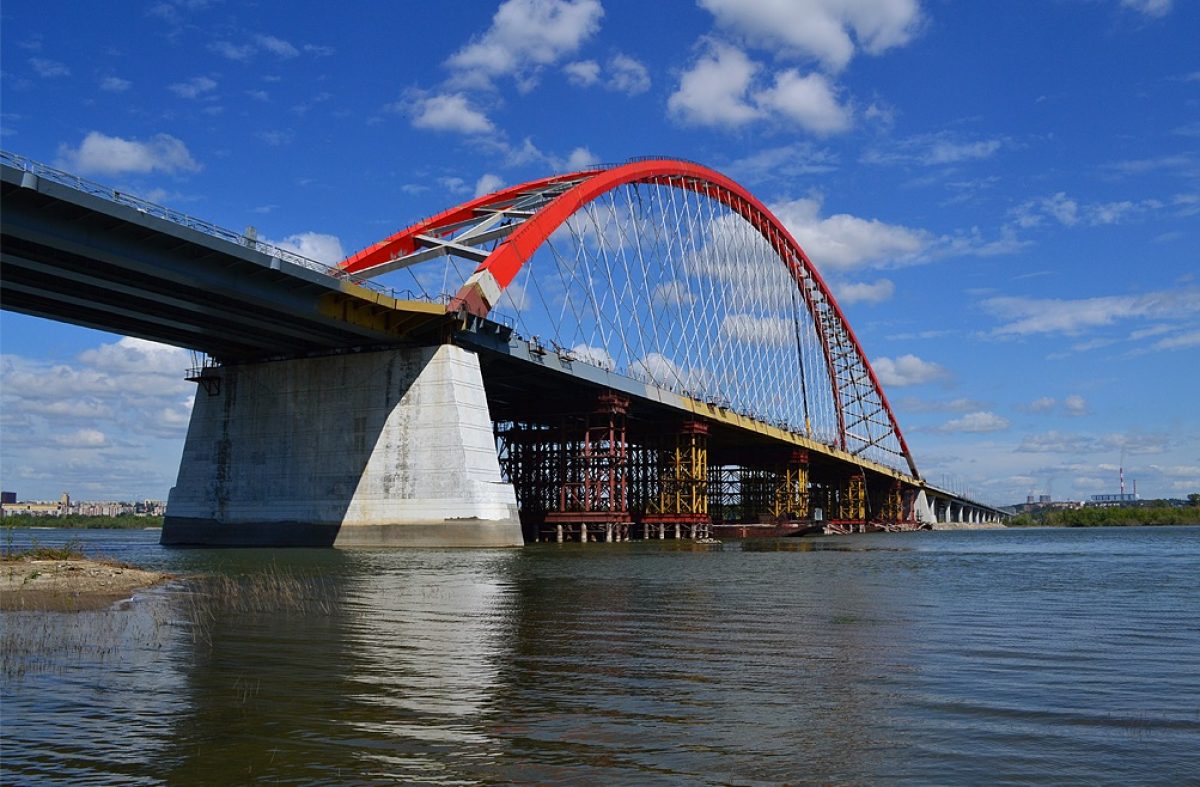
point(684, 286)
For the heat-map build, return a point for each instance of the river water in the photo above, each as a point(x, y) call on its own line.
point(1047, 655)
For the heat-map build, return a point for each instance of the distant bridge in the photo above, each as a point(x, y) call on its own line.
point(640, 350)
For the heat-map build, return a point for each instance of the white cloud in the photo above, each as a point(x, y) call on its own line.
point(193, 88)
point(108, 425)
point(810, 101)
point(937, 149)
point(1180, 342)
point(719, 90)
point(454, 185)
point(83, 438)
point(785, 162)
point(583, 73)
point(596, 356)
point(487, 183)
point(451, 112)
point(1055, 442)
point(827, 30)
point(842, 241)
point(115, 84)
point(581, 158)
point(1155, 8)
point(1025, 316)
point(277, 46)
point(1075, 405)
point(1069, 212)
point(751, 329)
point(977, 422)
point(231, 51)
point(49, 69)
point(713, 91)
point(1042, 404)
point(525, 35)
point(907, 370)
point(317, 246)
point(105, 155)
point(627, 75)
point(862, 292)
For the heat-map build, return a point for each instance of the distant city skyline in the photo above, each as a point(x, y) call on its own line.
point(1005, 198)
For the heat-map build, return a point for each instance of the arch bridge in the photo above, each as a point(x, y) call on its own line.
point(634, 351)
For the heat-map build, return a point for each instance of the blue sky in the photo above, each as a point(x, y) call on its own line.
point(1004, 196)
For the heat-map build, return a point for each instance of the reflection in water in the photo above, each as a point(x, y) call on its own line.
point(923, 657)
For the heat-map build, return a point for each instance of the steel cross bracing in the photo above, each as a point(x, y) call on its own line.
point(668, 273)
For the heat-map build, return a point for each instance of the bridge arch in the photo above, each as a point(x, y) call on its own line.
point(745, 304)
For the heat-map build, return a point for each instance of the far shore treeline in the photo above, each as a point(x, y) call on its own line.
point(1124, 516)
point(84, 521)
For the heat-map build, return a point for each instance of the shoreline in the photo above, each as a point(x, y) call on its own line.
point(73, 584)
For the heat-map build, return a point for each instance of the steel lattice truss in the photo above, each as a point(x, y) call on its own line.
point(664, 271)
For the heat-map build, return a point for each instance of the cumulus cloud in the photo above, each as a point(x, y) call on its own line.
point(842, 241)
point(862, 292)
point(720, 90)
point(108, 424)
point(627, 75)
point(1043, 404)
point(487, 183)
point(977, 422)
point(907, 370)
point(83, 438)
point(713, 91)
point(623, 74)
point(810, 101)
point(1075, 405)
point(451, 112)
point(581, 158)
point(751, 329)
point(582, 73)
point(830, 31)
point(100, 154)
point(317, 246)
point(524, 36)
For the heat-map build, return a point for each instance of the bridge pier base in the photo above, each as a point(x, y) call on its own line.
point(388, 448)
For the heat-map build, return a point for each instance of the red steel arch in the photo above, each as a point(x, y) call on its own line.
point(501, 265)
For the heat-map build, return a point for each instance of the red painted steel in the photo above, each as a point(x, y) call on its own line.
point(506, 260)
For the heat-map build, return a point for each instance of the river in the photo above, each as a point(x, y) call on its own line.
point(1047, 655)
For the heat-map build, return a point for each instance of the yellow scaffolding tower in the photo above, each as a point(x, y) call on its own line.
point(853, 505)
point(791, 491)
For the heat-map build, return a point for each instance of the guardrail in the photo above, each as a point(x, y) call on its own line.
point(200, 225)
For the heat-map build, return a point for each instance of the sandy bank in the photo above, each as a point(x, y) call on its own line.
point(69, 585)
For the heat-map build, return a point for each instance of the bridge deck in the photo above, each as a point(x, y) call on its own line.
point(75, 257)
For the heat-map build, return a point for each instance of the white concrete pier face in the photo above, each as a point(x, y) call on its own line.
point(390, 448)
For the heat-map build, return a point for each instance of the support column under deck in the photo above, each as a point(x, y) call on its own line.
point(388, 448)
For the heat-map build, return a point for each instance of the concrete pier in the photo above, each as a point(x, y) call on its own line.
point(389, 448)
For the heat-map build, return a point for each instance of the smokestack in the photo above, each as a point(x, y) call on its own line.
point(1122, 482)
point(1135, 489)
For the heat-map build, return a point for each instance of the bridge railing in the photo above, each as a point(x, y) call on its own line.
point(200, 225)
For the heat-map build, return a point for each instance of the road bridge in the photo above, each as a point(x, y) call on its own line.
point(635, 351)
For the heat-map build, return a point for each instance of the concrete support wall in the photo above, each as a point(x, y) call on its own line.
point(389, 448)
